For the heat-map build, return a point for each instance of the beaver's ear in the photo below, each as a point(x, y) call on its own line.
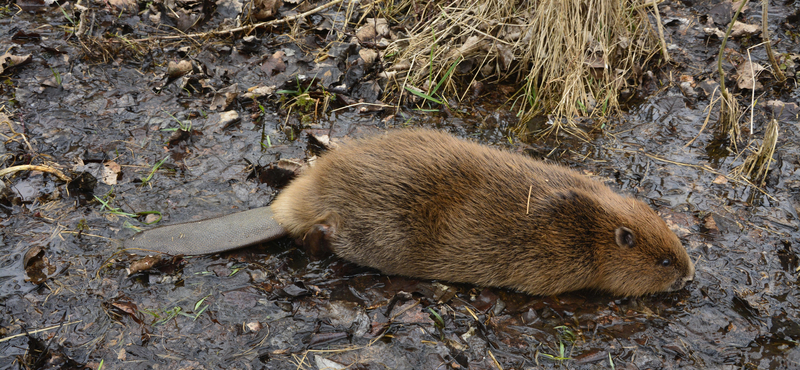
point(625, 237)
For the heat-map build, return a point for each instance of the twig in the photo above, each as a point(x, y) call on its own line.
point(753, 90)
point(708, 116)
point(528, 208)
point(5, 119)
point(38, 330)
point(776, 69)
point(722, 52)
point(92, 235)
point(729, 112)
point(495, 360)
point(660, 28)
point(31, 167)
point(245, 28)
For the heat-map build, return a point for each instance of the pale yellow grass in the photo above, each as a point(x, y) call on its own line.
point(570, 57)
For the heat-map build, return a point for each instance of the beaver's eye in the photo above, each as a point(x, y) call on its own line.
point(666, 262)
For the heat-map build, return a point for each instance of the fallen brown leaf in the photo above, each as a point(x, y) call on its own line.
point(274, 64)
point(145, 263)
point(8, 61)
point(175, 70)
point(748, 75)
point(266, 9)
point(741, 29)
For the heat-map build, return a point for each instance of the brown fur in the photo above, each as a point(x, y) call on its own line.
point(424, 204)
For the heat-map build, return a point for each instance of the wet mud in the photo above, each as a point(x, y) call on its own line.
point(133, 143)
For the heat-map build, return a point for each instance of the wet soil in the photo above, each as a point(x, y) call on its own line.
point(68, 301)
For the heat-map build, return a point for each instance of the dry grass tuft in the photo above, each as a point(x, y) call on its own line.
point(572, 57)
point(729, 114)
point(117, 48)
point(756, 165)
point(729, 111)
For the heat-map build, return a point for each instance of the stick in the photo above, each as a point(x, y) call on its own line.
point(30, 167)
point(245, 28)
point(776, 69)
point(660, 29)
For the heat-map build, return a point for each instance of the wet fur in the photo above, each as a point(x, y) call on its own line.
point(424, 204)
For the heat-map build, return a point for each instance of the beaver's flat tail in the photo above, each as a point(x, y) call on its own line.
point(212, 235)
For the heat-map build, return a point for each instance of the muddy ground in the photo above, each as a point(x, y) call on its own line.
point(106, 117)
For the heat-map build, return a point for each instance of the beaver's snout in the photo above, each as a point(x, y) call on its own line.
point(682, 282)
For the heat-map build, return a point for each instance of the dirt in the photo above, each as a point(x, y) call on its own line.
point(106, 117)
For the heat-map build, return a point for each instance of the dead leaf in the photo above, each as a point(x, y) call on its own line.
point(127, 307)
point(373, 29)
point(720, 180)
point(155, 17)
point(722, 12)
point(122, 306)
point(505, 55)
point(266, 9)
point(229, 9)
point(227, 119)
point(714, 31)
point(595, 61)
point(402, 65)
point(709, 86)
point(710, 224)
point(781, 110)
point(175, 70)
point(8, 61)
point(259, 91)
point(741, 29)
point(324, 363)
point(381, 26)
point(110, 173)
point(368, 56)
point(472, 44)
point(224, 97)
point(129, 6)
point(37, 267)
point(33, 254)
point(184, 19)
point(748, 74)
point(253, 326)
point(143, 264)
point(151, 218)
point(274, 64)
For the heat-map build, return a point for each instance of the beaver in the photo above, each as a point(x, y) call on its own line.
point(425, 204)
